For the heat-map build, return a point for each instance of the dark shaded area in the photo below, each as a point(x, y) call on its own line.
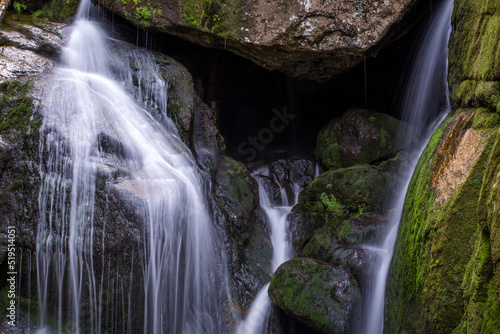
point(283, 323)
point(247, 98)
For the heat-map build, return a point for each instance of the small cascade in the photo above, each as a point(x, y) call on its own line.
point(425, 95)
point(277, 198)
point(106, 126)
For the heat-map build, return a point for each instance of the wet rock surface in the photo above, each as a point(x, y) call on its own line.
point(245, 231)
point(28, 46)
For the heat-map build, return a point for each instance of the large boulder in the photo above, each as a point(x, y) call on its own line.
point(305, 39)
point(322, 296)
point(340, 194)
point(359, 137)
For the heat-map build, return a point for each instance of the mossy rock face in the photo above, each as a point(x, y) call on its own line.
point(236, 191)
point(321, 246)
point(324, 297)
point(474, 74)
point(28, 46)
point(181, 96)
point(19, 156)
point(442, 277)
point(367, 229)
point(245, 233)
point(358, 137)
point(337, 195)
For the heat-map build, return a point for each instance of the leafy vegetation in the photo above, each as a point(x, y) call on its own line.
point(332, 203)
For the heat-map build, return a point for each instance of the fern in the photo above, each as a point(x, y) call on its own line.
point(331, 203)
point(19, 7)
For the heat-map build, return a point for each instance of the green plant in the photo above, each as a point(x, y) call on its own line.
point(331, 203)
point(361, 211)
point(37, 13)
point(19, 7)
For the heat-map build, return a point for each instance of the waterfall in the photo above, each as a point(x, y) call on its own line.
point(277, 211)
point(98, 121)
point(425, 94)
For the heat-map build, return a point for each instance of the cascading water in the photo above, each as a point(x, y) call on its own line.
point(426, 92)
point(97, 99)
point(277, 212)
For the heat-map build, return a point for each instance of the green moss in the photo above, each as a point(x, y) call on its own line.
point(219, 17)
point(339, 143)
point(17, 109)
point(475, 54)
point(327, 149)
point(318, 247)
point(59, 10)
point(143, 14)
point(384, 138)
point(485, 119)
point(4, 301)
point(314, 293)
point(16, 185)
point(434, 255)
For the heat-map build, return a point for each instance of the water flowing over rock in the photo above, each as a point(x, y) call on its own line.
point(303, 38)
point(280, 182)
point(27, 48)
point(98, 140)
point(245, 233)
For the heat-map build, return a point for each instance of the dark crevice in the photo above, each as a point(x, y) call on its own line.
point(247, 98)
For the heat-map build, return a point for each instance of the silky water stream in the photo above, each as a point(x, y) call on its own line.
point(105, 117)
point(425, 105)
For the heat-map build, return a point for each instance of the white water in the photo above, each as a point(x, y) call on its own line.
point(92, 95)
point(258, 315)
point(427, 87)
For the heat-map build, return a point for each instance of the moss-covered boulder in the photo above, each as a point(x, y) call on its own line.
point(339, 194)
point(443, 277)
point(358, 137)
point(324, 297)
point(249, 249)
point(474, 70)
